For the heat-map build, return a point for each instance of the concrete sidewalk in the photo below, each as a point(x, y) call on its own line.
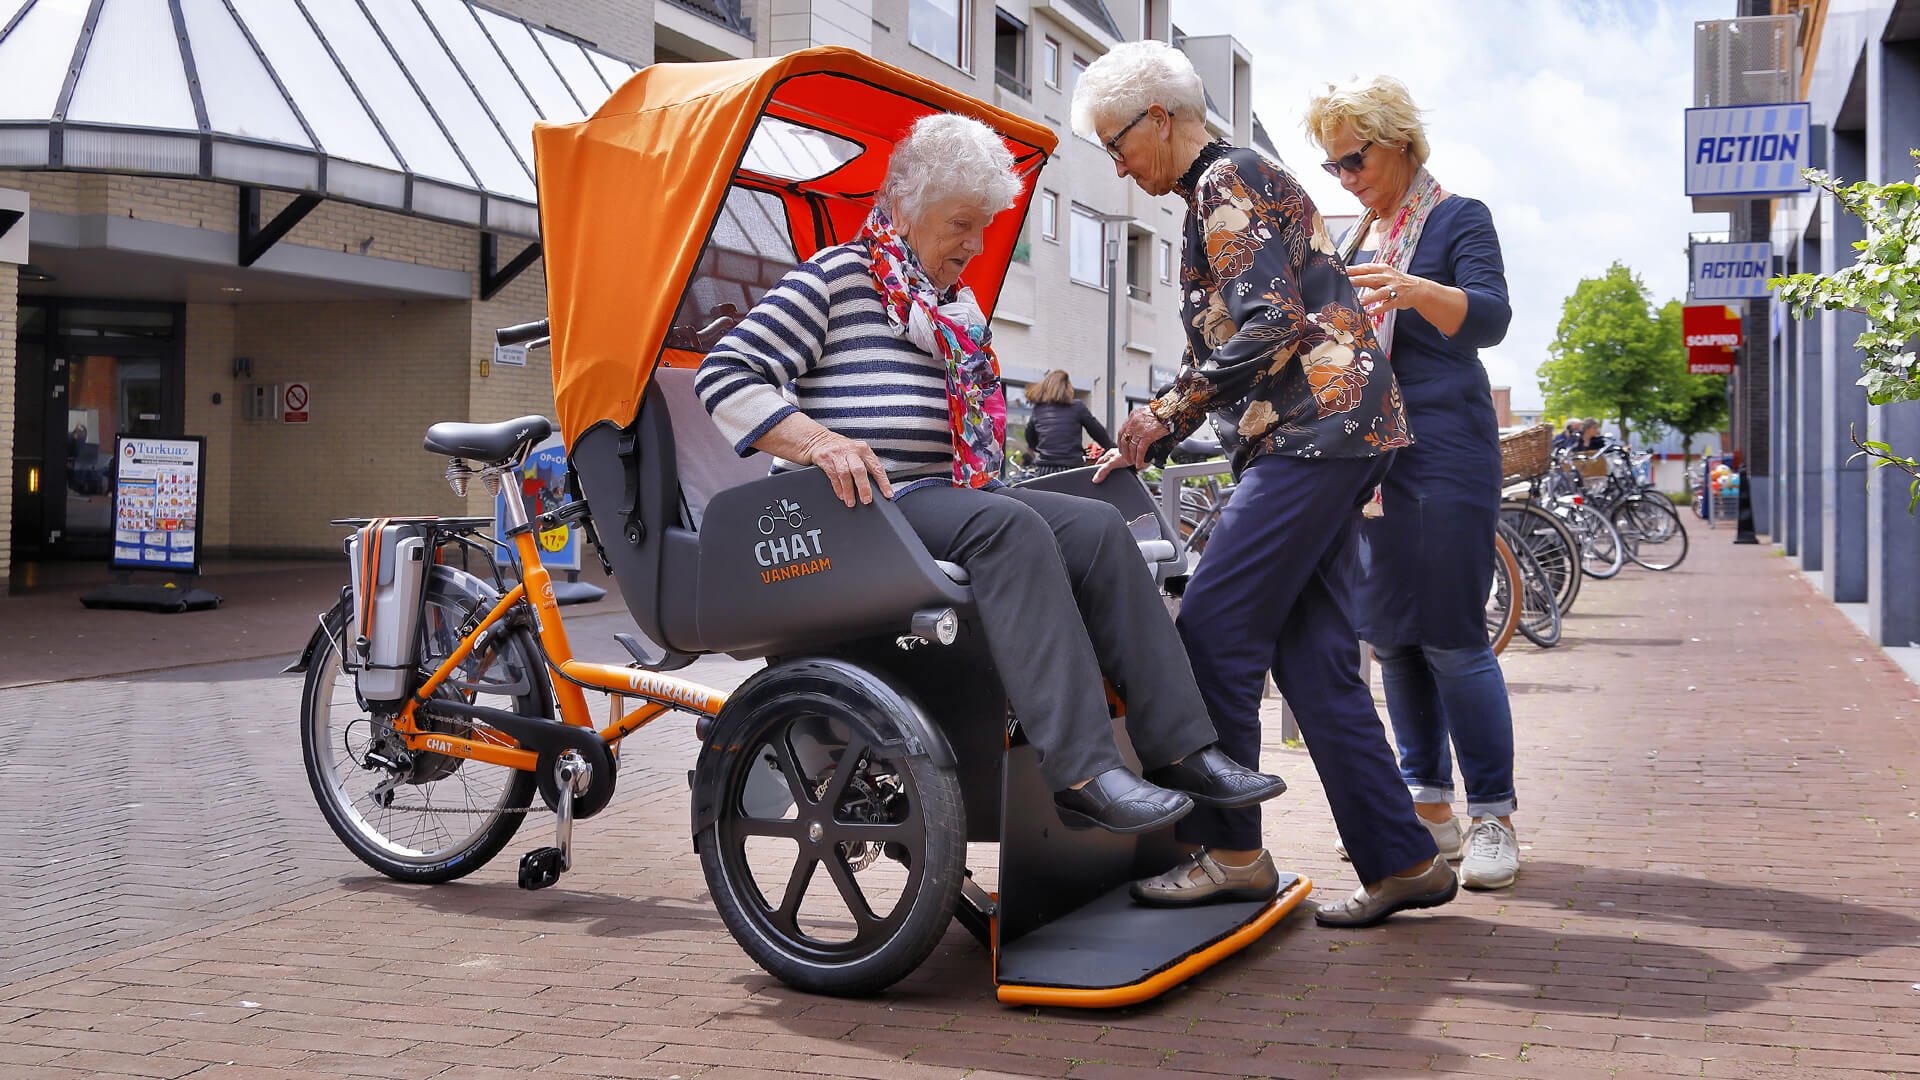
point(1718, 824)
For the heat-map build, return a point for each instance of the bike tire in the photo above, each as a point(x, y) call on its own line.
point(1602, 555)
point(491, 799)
point(1658, 539)
point(772, 728)
point(1503, 614)
point(1539, 610)
point(1553, 547)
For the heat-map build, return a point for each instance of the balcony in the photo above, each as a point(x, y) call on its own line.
point(725, 13)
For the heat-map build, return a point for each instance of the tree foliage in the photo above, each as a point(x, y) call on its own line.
point(1883, 285)
point(1606, 357)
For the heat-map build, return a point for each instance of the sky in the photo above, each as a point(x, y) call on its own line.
point(1563, 116)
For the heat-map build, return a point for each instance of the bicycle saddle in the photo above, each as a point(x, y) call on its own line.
point(488, 443)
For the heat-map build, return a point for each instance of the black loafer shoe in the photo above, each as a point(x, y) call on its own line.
point(1119, 801)
point(1214, 779)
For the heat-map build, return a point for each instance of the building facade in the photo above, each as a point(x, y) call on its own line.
point(1847, 526)
point(338, 198)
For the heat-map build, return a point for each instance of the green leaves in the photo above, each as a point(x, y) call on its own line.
point(1615, 356)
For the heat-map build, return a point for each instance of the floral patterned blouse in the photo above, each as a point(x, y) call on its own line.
point(1277, 343)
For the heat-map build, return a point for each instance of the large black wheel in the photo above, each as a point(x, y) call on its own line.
point(413, 815)
point(837, 847)
point(1651, 531)
point(1552, 545)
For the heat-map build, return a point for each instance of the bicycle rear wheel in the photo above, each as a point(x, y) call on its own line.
point(1651, 531)
point(1539, 611)
point(414, 815)
point(1503, 613)
point(1552, 545)
point(1601, 553)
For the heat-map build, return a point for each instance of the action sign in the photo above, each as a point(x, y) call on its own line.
point(156, 503)
point(293, 403)
point(1712, 333)
point(1748, 150)
point(1731, 271)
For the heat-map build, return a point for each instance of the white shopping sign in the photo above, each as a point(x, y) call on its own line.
point(1748, 149)
point(1731, 271)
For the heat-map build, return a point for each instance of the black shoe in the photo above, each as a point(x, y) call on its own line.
point(1118, 801)
point(1214, 779)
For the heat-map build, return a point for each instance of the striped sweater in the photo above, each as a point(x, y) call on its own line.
point(819, 343)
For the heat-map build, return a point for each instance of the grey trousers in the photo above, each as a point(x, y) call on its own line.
point(1064, 598)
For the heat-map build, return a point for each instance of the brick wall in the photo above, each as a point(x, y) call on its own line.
point(9, 401)
point(209, 371)
point(507, 392)
point(380, 372)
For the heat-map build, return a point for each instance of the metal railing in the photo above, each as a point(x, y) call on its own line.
point(1011, 83)
point(725, 12)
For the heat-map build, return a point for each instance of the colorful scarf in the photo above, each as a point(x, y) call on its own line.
point(957, 334)
point(1403, 236)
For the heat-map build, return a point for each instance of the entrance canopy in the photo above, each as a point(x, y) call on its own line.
point(668, 213)
point(422, 107)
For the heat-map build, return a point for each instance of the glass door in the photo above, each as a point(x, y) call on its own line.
point(106, 396)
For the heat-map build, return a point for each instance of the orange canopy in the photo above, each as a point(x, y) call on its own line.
point(629, 198)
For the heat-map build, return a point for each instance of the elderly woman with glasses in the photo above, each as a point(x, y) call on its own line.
point(872, 361)
point(1279, 347)
point(1429, 268)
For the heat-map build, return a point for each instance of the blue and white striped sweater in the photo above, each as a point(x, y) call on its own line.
point(819, 343)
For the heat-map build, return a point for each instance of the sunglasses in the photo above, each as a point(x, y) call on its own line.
point(1113, 144)
point(1351, 163)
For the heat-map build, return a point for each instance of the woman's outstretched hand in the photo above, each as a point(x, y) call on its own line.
point(1137, 436)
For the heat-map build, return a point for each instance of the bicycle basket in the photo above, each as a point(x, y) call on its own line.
point(1526, 454)
point(389, 564)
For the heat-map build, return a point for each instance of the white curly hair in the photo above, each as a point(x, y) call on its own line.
point(945, 156)
point(1132, 77)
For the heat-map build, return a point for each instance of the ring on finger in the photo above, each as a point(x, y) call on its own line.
point(1393, 293)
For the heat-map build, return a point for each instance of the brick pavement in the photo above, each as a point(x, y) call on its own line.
point(1718, 825)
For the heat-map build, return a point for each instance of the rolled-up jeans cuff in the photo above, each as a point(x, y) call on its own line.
point(1497, 808)
point(1430, 793)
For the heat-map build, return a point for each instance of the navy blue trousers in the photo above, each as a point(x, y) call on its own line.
point(1276, 590)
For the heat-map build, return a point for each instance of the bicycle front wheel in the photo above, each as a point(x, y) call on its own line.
point(1503, 610)
point(1651, 531)
point(414, 815)
point(1552, 545)
point(1601, 553)
point(1539, 611)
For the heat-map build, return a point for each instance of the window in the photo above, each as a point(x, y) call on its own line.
point(1139, 263)
point(1048, 210)
point(1010, 54)
point(1079, 69)
point(1087, 249)
point(1166, 262)
point(940, 27)
point(1050, 62)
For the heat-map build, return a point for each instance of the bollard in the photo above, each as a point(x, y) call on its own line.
point(1746, 534)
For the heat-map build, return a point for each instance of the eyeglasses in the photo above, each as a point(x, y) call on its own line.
point(1352, 163)
point(1113, 144)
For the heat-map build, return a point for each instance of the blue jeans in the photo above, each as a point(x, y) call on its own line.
point(1439, 695)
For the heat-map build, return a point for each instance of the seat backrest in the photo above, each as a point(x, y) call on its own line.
point(707, 464)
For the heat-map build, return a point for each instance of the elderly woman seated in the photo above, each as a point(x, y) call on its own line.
point(871, 361)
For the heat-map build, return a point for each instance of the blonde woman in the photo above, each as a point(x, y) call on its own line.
point(1428, 267)
point(1057, 421)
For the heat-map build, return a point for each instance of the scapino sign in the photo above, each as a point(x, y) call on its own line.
point(1731, 271)
point(1713, 336)
point(1748, 149)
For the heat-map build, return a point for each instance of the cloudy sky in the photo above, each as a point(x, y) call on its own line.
point(1564, 116)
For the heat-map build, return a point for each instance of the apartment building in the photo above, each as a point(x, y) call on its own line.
point(339, 198)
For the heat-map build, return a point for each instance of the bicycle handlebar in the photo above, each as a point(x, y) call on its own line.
point(521, 334)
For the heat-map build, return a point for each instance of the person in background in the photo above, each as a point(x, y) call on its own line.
point(1590, 437)
point(1279, 349)
point(1059, 418)
point(1571, 438)
point(1429, 269)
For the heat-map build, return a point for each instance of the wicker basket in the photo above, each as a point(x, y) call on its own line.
point(1526, 454)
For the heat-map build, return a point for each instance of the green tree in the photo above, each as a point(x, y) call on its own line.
point(1686, 404)
point(1605, 359)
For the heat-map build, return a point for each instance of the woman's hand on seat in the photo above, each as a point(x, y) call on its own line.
point(851, 466)
point(1137, 436)
point(1108, 462)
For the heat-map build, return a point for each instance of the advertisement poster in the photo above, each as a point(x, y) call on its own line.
point(156, 503)
point(543, 486)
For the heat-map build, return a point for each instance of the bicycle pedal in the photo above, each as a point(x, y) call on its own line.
point(541, 867)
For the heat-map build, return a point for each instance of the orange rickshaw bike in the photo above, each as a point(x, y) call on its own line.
point(836, 792)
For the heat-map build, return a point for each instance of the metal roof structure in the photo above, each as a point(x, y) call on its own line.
point(424, 107)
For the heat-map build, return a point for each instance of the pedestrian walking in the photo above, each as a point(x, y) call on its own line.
point(1279, 348)
point(1056, 424)
point(1429, 269)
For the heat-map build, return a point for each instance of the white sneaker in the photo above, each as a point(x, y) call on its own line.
point(1493, 856)
point(1448, 836)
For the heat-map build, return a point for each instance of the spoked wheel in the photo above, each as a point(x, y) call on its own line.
point(1650, 531)
point(1503, 614)
point(1601, 553)
point(1552, 545)
point(836, 852)
point(415, 815)
point(1539, 610)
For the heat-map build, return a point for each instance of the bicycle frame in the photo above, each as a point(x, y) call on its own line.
point(659, 693)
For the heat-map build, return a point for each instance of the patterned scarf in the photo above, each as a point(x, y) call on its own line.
point(1403, 236)
point(956, 333)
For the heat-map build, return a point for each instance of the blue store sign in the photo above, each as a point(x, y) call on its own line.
point(1731, 271)
point(1748, 149)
